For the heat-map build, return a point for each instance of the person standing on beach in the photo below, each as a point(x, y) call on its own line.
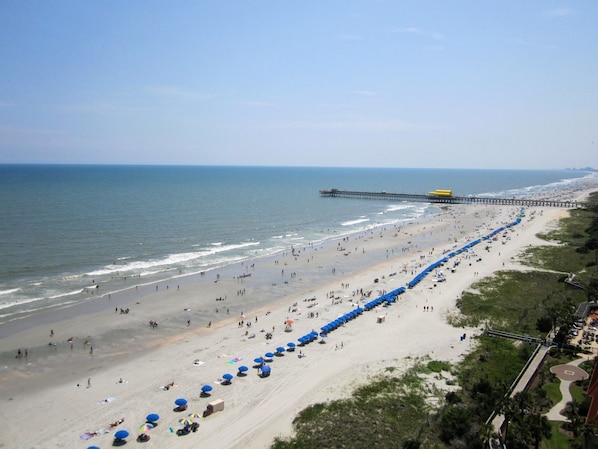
point(89, 382)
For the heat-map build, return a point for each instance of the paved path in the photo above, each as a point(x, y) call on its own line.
point(567, 373)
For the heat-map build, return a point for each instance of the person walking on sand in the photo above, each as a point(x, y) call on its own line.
point(89, 382)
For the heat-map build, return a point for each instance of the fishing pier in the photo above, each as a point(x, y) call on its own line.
point(451, 199)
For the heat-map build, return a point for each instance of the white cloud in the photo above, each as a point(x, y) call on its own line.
point(527, 43)
point(420, 32)
point(558, 12)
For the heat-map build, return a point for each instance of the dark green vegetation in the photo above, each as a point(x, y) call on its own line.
point(514, 301)
point(396, 411)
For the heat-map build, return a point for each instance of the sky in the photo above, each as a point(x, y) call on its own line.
point(349, 83)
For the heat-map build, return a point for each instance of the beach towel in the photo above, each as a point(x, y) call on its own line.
point(233, 361)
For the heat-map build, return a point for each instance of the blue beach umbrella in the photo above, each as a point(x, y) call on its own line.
point(280, 349)
point(93, 447)
point(269, 355)
point(152, 417)
point(206, 388)
point(121, 434)
point(258, 360)
point(243, 368)
point(227, 376)
point(180, 402)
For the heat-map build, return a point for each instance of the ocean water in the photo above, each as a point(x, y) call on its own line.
point(66, 229)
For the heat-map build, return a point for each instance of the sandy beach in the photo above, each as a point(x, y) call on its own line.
point(83, 369)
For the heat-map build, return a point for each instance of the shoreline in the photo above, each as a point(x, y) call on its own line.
point(132, 291)
point(259, 408)
point(216, 282)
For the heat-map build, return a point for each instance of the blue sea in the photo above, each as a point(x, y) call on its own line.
point(65, 229)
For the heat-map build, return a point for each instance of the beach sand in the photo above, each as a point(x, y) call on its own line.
point(66, 397)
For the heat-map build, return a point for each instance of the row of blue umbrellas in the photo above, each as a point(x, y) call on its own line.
point(313, 335)
point(389, 297)
point(417, 279)
point(341, 320)
point(308, 338)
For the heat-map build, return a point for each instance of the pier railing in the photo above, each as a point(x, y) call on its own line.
point(527, 202)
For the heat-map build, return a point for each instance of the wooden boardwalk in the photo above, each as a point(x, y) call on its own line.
point(336, 193)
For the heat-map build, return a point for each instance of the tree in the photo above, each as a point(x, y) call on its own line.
point(538, 428)
point(455, 421)
point(514, 408)
point(576, 421)
point(485, 433)
point(544, 324)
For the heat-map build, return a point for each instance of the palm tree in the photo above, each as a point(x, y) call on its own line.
point(507, 408)
point(538, 428)
point(588, 434)
point(485, 433)
point(514, 407)
point(576, 421)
